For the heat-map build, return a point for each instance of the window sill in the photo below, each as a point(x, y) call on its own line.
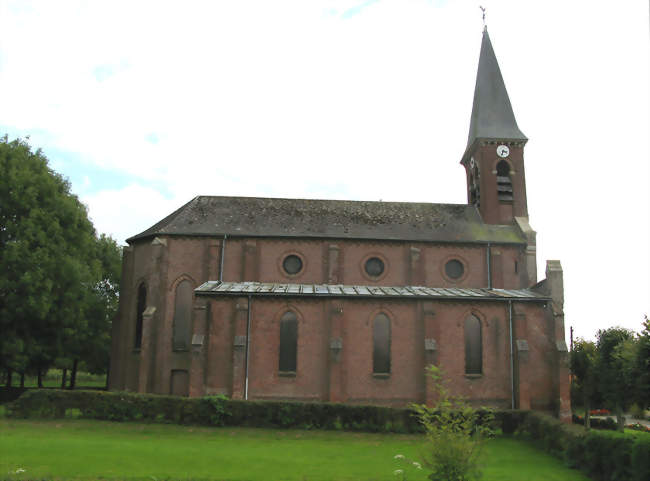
point(286, 374)
point(473, 376)
point(381, 375)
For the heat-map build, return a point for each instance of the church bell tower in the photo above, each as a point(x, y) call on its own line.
point(494, 157)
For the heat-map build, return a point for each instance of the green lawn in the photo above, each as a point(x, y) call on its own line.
point(83, 449)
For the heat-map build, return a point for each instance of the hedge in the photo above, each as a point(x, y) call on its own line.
point(596, 423)
point(211, 411)
point(221, 411)
point(8, 394)
point(602, 455)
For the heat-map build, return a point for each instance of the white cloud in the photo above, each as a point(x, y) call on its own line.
point(128, 211)
point(291, 99)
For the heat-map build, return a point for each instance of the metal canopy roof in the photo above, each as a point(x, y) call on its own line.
point(261, 289)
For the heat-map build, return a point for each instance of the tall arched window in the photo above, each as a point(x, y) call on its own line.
point(288, 342)
point(473, 346)
point(381, 344)
point(182, 331)
point(504, 182)
point(141, 306)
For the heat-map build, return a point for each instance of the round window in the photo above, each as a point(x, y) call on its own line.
point(374, 267)
point(292, 264)
point(454, 269)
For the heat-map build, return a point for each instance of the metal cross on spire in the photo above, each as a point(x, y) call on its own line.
point(482, 10)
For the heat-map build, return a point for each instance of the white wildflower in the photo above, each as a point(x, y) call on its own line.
point(20, 470)
point(417, 465)
point(399, 456)
point(397, 472)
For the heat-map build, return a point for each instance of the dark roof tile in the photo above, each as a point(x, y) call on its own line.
point(269, 217)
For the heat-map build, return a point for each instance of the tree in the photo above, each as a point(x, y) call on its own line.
point(93, 344)
point(585, 377)
point(48, 261)
point(642, 366)
point(615, 366)
point(454, 434)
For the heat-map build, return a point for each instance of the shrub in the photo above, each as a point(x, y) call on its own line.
point(638, 427)
point(221, 411)
point(597, 423)
point(8, 394)
point(454, 432)
point(602, 455)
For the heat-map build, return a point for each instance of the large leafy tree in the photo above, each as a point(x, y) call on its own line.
point(615, 365)
point(50, 266)
point(642, 368)
point(92, 344)
point(585, 376)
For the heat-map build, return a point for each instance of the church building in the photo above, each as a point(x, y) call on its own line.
point(349, 301)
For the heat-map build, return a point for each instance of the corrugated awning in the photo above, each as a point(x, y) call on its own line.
point(262, 289)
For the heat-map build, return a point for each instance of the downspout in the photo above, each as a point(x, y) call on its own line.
point(248, 344)
point(488, 259)
point(512, 356)
point(223, 253)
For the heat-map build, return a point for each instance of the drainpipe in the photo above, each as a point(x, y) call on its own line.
point(488, 259)
point(223, 252)
point(512, 358)
point(248, 344)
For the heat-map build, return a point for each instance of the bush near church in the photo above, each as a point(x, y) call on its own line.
point(221, 411)
point(602, 455)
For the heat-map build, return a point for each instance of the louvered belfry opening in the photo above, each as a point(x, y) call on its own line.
point(504, 182)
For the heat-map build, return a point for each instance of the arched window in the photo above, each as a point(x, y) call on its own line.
point(473, 346)
point(141, 306)
point(381, 344)
point(288, 342)
point(182, 331)
point(504, 182)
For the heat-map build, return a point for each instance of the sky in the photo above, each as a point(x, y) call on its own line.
point(145, 105)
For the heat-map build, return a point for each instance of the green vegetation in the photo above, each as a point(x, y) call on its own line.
point(454, 433)
point(613, 372)
point(83, 449)
point(54, 377)
point(58, 279)
point(602, 455)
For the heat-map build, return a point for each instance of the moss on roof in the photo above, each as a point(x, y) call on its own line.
point(270, 217)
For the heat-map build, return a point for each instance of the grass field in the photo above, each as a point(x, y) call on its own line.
point(83, 449)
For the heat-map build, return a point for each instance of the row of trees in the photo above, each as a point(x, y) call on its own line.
point(59, 281)
point(613, 372)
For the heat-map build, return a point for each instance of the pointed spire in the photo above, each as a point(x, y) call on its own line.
point(492, 115)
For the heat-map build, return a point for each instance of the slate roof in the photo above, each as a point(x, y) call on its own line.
point(268, 217)
point(258, 289)
point(492, 114)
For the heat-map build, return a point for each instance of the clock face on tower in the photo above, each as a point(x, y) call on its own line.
point(503, 151)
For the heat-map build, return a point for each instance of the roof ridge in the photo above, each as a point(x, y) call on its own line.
point(359, 201)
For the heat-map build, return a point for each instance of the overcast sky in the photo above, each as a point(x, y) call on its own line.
point(144, 105)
